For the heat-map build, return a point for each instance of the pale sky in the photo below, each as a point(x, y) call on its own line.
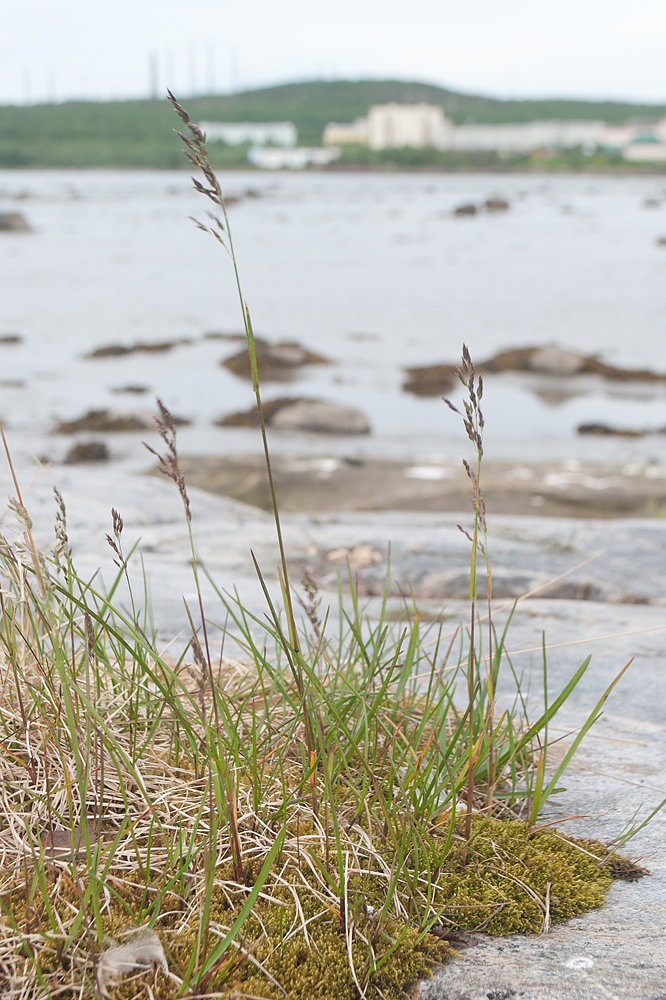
point(506, 48)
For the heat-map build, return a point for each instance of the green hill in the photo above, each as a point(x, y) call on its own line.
point(139, 133)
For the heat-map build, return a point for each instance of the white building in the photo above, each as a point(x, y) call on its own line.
point(524, 137)
point(390, 126)
point(296, 158)
point(615, 137)
point(646, 144)
point(255, 133)
point(645, 149)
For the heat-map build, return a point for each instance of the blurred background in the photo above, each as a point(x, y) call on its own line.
point(399, 183)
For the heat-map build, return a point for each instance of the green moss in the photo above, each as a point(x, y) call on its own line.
point(511, 871)
point(502, 887)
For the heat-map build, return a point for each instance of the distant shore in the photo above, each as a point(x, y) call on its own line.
point(138, 134)
point(540, 169)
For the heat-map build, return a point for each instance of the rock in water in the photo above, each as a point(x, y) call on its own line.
point(553, 360)
point(321, 418)
point(465, 210)
point(14, 222)
point(88, 451)
point(250, 418)
point(276, 362)
point(497, 205)
point(105, 422)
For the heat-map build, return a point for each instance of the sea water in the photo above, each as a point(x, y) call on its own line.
point(373, 271)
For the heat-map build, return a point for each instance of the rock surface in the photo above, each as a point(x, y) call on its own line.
point(497, 205)
point(250, 418)
point(289, 413)
point(276, 362)
point(14, 222)
point(132, 390)
point(334, 483)
point(604, 430)
point(103, 421)
point(318, 417)
point(619, 951)
point(615, 953)
point(553, 360)
point(88, 451)
point(433, 380)
point(120, 350)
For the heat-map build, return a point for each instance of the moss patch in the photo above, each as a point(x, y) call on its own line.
point(301, 935)
point(515, 881)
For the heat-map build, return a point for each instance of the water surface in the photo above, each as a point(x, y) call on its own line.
point(372, 270)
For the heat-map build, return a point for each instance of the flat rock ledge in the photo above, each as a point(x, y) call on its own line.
point(615, 953)
point(326, 483)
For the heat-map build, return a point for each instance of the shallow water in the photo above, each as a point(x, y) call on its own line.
point(371, 270)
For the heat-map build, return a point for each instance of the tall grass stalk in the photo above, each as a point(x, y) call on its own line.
point(473, 422)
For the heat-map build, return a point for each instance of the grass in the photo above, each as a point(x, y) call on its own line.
point(322, 814)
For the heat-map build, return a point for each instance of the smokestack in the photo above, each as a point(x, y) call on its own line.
point(210, 68)
point(153, 73)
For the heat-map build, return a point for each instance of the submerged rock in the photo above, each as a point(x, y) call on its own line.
point(276, 362)
point(14, 222)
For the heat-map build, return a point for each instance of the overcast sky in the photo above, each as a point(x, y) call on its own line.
point(510, 48)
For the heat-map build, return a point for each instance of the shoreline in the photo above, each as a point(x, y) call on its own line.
point(651, 170)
